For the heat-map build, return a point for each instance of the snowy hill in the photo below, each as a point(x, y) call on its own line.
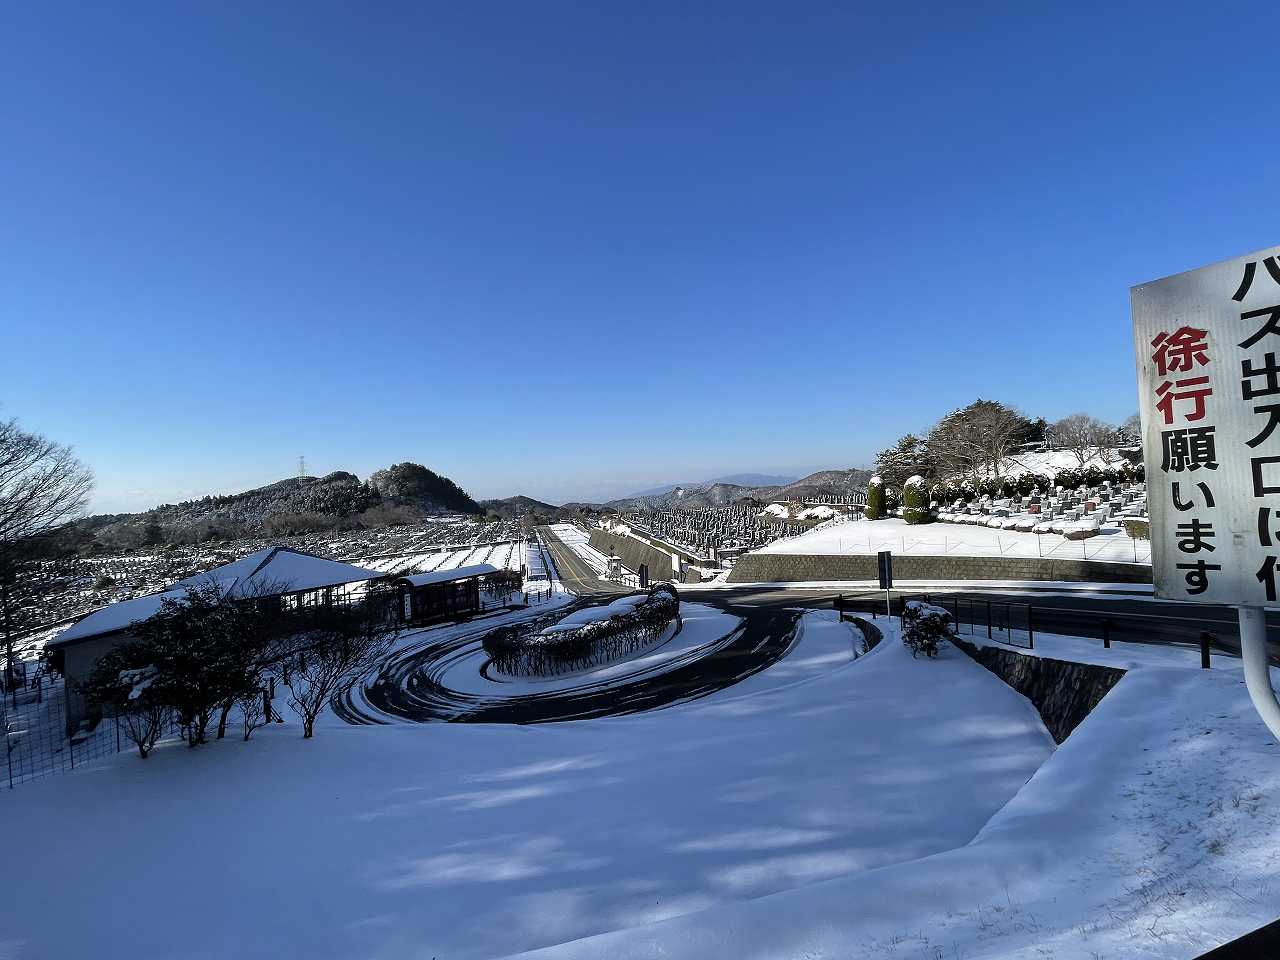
point(302, 503)
point(519, 506)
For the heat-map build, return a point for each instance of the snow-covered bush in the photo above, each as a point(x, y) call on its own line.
point(915, 501)
point(875, 499)
point(123, 683)
point(892, 500)
point(925, 627)
point(1068, 479)
point(1029, 483)
point(576, 646)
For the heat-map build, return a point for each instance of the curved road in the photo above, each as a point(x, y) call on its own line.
point(414, 686)
point(1127, 618)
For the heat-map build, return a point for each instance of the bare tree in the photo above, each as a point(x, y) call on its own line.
point(336, 649)
point(1131, 430)
point(42, 488)
point(1083, 436)
point(123, 681)
point(976, 439)
point(253, 711)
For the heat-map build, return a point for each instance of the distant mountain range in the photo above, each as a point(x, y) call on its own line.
point(736, 479)
point(521, 506)
point(397, 494)
point(722, 493)
point(401, 493)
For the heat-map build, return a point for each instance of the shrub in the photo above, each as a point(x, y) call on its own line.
point(517, 652)
point(1068, 479)
point(925, 628)
point(123, 683)
point(915, 501)
point(1138, 529)
point(875, 499)
point(892, 500)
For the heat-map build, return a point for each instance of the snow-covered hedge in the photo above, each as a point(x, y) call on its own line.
point(915, 501)
point(875, 499)
point(925, 627)
point(579, 644)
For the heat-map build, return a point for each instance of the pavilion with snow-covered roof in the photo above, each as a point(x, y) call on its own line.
point(298, 579)
point(438, 594)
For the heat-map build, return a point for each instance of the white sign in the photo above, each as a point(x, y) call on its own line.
point(1209, 394)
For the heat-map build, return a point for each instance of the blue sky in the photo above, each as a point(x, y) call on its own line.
point(573, 250)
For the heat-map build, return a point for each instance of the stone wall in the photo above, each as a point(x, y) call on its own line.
point(1063, 692)
point(795, 568)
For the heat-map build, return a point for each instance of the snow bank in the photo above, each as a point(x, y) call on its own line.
point(470, 841)
point(1153, 832)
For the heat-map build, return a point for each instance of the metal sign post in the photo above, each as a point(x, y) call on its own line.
point(884, 563)
point(1209, 388)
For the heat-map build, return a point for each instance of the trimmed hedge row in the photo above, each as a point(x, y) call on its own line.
point(519, 653)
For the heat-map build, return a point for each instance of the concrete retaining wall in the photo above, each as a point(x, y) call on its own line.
point(634, 552)
point(1063, 692)
point(796, 567)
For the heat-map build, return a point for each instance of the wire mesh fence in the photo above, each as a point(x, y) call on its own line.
point(37, 741)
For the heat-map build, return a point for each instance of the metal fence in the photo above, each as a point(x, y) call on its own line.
point(37, 744)
point(1018, 622)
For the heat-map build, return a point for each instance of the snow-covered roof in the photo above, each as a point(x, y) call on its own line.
point(275, 570)
point(118, 616)
point(267, 572)
point(444, 576)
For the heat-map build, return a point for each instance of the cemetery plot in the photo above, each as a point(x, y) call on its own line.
point(83, 584)
point(1091, 523)
point(711, 531)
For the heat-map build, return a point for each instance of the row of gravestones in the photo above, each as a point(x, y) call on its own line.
point(1101, 503)
point(713, 528)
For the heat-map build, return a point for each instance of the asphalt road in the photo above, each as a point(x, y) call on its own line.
point(1127, 619)
point(415, 684)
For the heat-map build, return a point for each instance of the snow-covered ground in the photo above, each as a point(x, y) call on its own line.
point(945, 539)
point(455, 840)
point(1153, 832)
point(877, 807)
point(1049, 462)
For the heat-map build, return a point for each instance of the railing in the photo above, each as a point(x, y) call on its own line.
point(1016, 622)
point(37, 743)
